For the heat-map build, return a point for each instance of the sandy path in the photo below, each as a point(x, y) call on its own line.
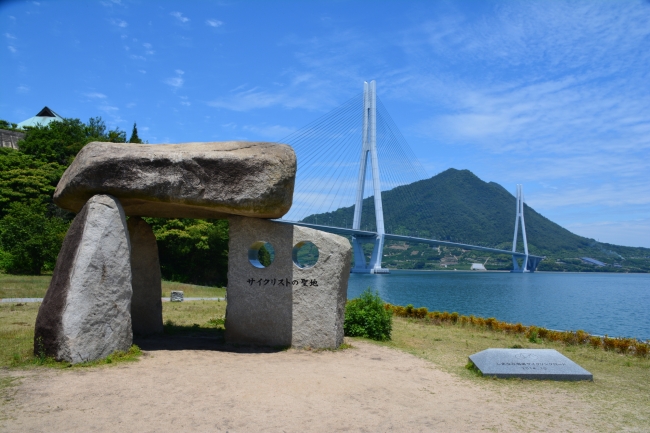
point(367, 388)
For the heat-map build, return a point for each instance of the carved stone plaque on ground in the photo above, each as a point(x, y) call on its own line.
point(86, 312)
point(544, 364)
point(284, 304)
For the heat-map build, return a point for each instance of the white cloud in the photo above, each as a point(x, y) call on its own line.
point(135, 57)
point(95, 95)
point(273, 132)
point(175, 82)
point(108, 108)
point(22, 89)
point(142, 71)
point(179, 71)
point(9, 36)
point(147, 45)
point(12, 49)
point(213, 23)
point(180, 17)
point(119, 23)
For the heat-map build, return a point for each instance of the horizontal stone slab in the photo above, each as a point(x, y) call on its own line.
point(190, 180)
point(541, 364)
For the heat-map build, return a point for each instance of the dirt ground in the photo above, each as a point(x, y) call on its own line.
point(186, 387)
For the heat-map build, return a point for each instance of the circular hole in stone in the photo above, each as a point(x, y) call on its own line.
point(261, 254)
point(305, 254)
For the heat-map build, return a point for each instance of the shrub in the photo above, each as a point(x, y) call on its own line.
point(366, 316)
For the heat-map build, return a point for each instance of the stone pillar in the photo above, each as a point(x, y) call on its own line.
point(86, 312)
point(284, 304)
point(146, 304)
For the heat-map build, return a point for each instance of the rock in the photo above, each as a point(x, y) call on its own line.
point(191, 180)
point(86, 312)
point(176, 296)
point(283, 304)
point(146, 303)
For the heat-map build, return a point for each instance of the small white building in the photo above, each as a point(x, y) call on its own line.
point(478, 267)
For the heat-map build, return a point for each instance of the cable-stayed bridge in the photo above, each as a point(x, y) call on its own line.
point(344, 160)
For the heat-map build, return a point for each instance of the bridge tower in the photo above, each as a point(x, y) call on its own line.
point(525, 267)
point(369, 148)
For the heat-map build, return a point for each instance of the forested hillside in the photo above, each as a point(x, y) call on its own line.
point(457, 206)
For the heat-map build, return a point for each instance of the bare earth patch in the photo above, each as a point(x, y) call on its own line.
point(185, 387)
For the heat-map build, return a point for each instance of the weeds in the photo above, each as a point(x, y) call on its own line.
point(534, 334)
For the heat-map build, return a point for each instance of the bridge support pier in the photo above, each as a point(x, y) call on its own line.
point(361, 266)
point(369, 150)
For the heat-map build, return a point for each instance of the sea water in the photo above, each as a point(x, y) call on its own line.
point(614, 304)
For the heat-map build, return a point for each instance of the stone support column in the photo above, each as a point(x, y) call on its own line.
point(146, 304)
point(86, 312)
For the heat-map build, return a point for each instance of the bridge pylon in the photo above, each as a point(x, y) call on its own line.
point(369, 149)
point(526, 265)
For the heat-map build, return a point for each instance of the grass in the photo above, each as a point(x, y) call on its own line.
point(20, 286)
point(194, 318)
point(23, 286)
point(17, 341)
point(192, 291)
point(620, 392)
point(17, 331)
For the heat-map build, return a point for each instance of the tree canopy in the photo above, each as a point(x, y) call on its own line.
point(61, 141)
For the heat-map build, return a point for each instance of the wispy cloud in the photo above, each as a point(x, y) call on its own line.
point(22, 89)
point(119, 23)
point(9, 36)
point(108, 108)
point(214, 23)
point(11, 48)
point(180, 17)
point(95, 95)
point(177, 81)
point(272, 132)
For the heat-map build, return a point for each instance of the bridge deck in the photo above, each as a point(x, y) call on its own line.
point(391, 237)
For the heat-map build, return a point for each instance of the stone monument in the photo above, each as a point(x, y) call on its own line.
point(285, 304)
point(106, 283)
point(541, 364)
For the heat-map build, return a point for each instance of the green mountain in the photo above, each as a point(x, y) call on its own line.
point(457, 206)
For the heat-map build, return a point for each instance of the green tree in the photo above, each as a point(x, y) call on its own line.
point(29, 240)
point(134, 135)
point(61, 141)
point(192, 251)
point(25, 179)
point(264, 256)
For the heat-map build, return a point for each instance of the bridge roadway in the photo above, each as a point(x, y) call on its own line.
point(364, 233)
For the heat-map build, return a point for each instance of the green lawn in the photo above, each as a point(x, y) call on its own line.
point(20, 286)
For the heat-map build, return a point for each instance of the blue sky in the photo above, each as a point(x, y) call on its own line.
point(554, 95)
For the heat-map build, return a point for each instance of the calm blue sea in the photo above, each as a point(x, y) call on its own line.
point(614, 304)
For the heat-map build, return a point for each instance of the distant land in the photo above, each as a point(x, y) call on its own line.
point(457, 206)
